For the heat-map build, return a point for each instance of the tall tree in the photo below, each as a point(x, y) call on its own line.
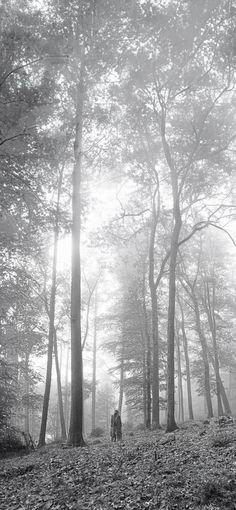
point(210, 309)
point(51, 314)
point(59, 388)
point(191, 292)
point(187, 139)
point(75, 436)
point(154, 309)
point(187, 362)
point(94, 382)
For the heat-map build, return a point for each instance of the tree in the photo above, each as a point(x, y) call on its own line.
point(190, 289)
point(154, 310)
point(51, 315)
point(59, 388)
point(187, 363)
point(210, 310)
point(162, 89)
point(210, 262)
point(94, 383)
point(75, 436)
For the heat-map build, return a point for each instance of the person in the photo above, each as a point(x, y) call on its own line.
point(116, 426)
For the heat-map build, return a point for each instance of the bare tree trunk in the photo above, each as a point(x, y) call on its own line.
point(75, 436)
point(144, 372)
point(171, 424)
point(154, 312)
point(27, 427)
point(144, 391)
point(50, 350)
point(190, 290)
point(59, 390)
point(210, 309)
point(224, 397)
point(148, 422)
point(121, 385)
point(204, 357)
point(187, 364)
point(177, 220)
point(58, 426)
point(148, 358)
point(223, 394)
point(66, 402)
point(51, 313)
point(94, 365)
point(180, 384)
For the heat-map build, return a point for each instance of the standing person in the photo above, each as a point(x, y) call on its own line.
point(116, 426)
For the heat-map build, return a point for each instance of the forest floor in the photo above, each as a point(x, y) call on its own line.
point(193, 468)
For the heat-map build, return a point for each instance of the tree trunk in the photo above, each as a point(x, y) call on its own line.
point(204, 356)
point(94, 366)
point(155, 382)
point(171, 424)
point(148, 422)
point(148, 359)
point(51, 313)
point(144, 391)
point(180, 384)
point(59, 390)
point(75, 436)
point(144, 352)
point(187, 364)
point(50, 345)
point(224, 398)
point(223, 394)
point(154, 312)
point(188, 377)
point(210, 309)
point(155, 376)
point(27, 428)
point(121, 390)
point(66, 402)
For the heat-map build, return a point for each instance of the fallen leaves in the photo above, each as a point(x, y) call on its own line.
point(148, 471)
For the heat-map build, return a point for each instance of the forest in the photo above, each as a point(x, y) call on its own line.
point(117, 219)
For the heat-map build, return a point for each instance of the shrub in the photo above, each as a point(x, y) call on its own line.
point(13, 440)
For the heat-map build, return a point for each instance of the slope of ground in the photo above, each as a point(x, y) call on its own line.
point(193, 468)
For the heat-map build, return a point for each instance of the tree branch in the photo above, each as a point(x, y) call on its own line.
point(127, 215)
point(13, 137)
point(16, 69)
point(22, 66)
point(203, 224)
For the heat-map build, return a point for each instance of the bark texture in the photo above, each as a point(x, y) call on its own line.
point(75, 436)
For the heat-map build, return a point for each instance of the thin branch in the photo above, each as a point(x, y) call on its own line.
point(161, 272)
point(16, 69)
point(225, 231)
point(127, 215)
point(204, 224)
point(13, 137)
point(22, 66)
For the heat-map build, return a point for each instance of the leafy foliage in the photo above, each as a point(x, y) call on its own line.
point(13, 441)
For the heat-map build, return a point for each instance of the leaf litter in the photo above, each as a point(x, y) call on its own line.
point(193, 468)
